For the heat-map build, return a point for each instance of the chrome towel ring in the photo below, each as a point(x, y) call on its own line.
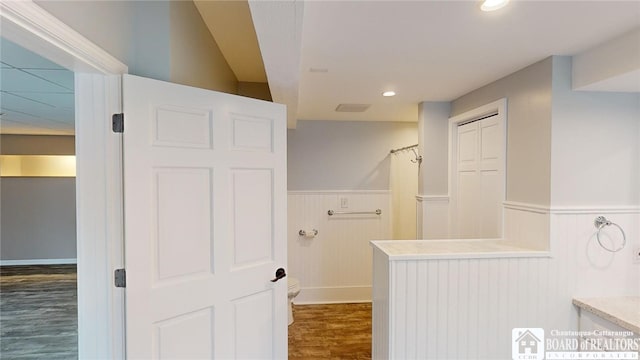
point(600, 222)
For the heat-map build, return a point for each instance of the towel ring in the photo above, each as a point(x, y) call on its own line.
point(600, 222)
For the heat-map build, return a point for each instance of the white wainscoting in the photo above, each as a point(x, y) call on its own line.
point(466, 308)
point(527, 225)
point(335, 266)
point(433, 216)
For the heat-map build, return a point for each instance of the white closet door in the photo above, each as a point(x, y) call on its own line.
point(480, 176)
point(468, 184)
point(490, 178)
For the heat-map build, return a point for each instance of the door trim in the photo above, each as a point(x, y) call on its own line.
point(499, 107)
point(32, 27)
point(98, 181)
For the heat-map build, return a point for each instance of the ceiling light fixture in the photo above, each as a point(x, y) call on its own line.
point(492, 5)
point(389, 93)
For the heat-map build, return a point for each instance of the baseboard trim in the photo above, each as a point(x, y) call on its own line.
point(333, 295)
point(38, 262)
point(337, 192)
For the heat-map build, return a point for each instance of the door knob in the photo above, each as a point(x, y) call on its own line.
point(280, 273)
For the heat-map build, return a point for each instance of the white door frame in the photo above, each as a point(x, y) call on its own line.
point(99, 174)
point(499, 107)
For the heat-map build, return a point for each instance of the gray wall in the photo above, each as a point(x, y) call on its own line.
point(344, 155)
point(37, 145)
point(434, 146)
point(565, 147)
point(596, 144)
point(164, 40)
point(37, 215)
point(38, 218)
point(528, 94)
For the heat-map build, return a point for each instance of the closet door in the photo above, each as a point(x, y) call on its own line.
point(480, 176)
point(490, 174)
point(468, 191)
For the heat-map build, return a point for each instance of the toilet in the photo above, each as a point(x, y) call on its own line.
point(293, 289)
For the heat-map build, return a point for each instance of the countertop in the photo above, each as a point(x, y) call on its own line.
point(623, 311)
point(453, 249)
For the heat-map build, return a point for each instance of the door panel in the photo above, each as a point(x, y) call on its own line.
point(205, 223)
point(188, 336)
point(480, 179)
point(252, 321)
point(251, 191)
point(192, 254)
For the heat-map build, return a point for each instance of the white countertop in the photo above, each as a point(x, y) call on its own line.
point(623, 311)
point(453, 249)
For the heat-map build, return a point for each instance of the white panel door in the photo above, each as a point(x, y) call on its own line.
point(205, 223)
point(468, 185)
point(480, 179)
point(491, 175)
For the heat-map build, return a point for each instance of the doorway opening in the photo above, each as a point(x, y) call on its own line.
point(38, 199)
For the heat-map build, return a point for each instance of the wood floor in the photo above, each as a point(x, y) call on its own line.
point(336, 331)
point(38, 312)
point(38, 320)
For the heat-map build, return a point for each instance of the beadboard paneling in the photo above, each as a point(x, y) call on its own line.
point(335, 266)
point(466, 308)
point(433, 217)
point(528, 227)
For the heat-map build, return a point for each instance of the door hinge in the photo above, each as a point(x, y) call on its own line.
point(117, 122)
point(120, 278)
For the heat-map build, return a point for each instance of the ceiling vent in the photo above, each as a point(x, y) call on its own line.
point(352, 107)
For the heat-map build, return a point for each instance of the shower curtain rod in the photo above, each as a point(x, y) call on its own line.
point(403, 148)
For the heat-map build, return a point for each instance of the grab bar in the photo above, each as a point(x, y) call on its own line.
point(377, 212)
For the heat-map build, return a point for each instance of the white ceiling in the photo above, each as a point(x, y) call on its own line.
point(36, 95)
point(429, 50)
point(424, 50)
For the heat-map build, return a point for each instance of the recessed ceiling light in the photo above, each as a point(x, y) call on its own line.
point(389, 93)
point(492, 5)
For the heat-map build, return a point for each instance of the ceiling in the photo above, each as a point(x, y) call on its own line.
point(320, 54)
point(352, 51)
point(36, 95)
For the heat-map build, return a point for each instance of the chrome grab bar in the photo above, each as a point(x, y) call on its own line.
point(377, 212)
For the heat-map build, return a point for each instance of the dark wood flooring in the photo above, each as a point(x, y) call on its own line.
point(334, 331)
point(38, 312)
point(38, 320)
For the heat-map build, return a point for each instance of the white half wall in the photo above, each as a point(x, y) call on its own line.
point(335, 266)
point(467, 308)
